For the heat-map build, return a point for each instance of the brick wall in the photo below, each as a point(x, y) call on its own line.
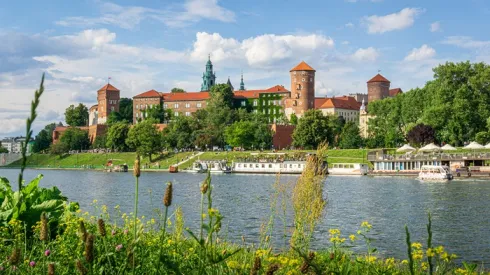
point(282, 136)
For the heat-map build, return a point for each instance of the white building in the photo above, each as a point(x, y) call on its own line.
point(344, 106)
point(14, 144)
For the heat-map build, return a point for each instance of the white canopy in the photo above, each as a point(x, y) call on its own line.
point(430, 148)
point(474, 145)
point(487, 146)
point(405, 148)
point(448, 147)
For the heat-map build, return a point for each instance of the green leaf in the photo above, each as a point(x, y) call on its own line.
point(32, 185)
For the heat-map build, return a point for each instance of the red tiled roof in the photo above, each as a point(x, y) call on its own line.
point(394, 92)
point(109, 87)
point(277, 88)
point(302, 67)
point(378, 78)
point(247, 94)
point(319, 102)
point(344, 102)
point(193, 96)
point(94, 106)
point(150, 93)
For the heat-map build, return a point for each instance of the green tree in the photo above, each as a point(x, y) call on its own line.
point(482, 137)
point(99, 142)
point(293, 119)
point(350, 137)
point(179, 133)
point(44, 138)
point(312, 129)
point(240, 134)
point(156, 113)
point(126, 109)
point(3, 149)
point(421, 134)
point(76, 116)
point(75, 139)
point(59, 148)
point(177, 90)
point(144, 138)
point(117, 135)
point(223, 92)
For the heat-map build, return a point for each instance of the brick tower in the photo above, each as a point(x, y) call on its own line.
point(378, 88)
point(302, 90)
point(108, 101)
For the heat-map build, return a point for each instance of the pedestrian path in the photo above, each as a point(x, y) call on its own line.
point(186, 160)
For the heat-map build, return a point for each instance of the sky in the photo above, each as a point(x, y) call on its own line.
point(161, 44)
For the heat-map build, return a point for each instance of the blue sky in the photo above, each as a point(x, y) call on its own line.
point(155, 44)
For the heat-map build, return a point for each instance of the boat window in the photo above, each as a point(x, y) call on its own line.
point(270, 165)
point(245, 165)
point(263, 165)
point(341, 166)
point(239, 165)
point(256, 165)
point(290, 166)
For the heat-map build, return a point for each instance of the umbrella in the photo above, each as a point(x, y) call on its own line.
point(405, 148)
point(448, 147)
point(474, 146)
point(430, 148)
point(487, 146)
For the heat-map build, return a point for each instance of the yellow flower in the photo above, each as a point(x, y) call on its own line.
point(366, 225)
point(294, 262)
point(424, 266)
point(416, 245)
point(405, 262)
point(334, 232)
point(439, 249)
point(191, 249)
point(169, 223)
point(169, 241)
point(213, 212)
point(352, 238)
point(260, 252)
point(370, 259)
point(283, 260)
point(359, 232)
point(203, 215)
point(461, 271)
point(390, 262)
point(152, 221)
point(233, 264)
point(94, 201)
point(430, 252)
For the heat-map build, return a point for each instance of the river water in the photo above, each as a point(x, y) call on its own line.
point(460, 209)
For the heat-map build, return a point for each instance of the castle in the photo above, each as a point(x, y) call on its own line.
point(275, 102)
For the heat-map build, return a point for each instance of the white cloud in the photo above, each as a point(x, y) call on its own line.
point(466, 42)
point(368, 54)
point(423, 53)
point(349, 25)
point(391, 22)
point(435, 27)
point(129, 17)
point(345, 42)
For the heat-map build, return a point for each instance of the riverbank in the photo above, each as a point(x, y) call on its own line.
point(163, 161)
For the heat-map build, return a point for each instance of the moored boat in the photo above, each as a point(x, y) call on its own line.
point(435, 172)
point(348, 169)
point(283, 167)
point(213, 166)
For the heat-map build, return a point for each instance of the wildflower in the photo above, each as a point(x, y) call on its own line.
point(43, 235)
point(113, 232)
point(213, 212)
point(390, 262)
point(47, 252)
point(15, 256)
point(191, 249)
point(136, 168)
point(405, 262)
point(416, 245)
point(359, 232)
point(260, 252)
point(371, 259)
point(304, 267)
point(283, 260)
point(430, 252)
point(233, 264)
point(366, 225)
point(81, 269)
point(203, 215)
point(101, 227)
point(272, 268)
point(89, 248)
point(51, 269)
point(256, 267)
point(125, 231)
point(439, 249)
point(167, 198)
point(424, 266)
point(94, 201)
point(334, 232)
point(170, 242)
point(352, 238)
point(204, 187)
point(32, 263)
point(82, 231)
point(119, 247)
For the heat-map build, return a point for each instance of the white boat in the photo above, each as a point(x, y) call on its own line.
point(348, 169)
point(284, 167)
point(214, 166)
point(435, 172)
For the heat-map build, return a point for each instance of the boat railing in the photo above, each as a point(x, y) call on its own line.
point(431, 156)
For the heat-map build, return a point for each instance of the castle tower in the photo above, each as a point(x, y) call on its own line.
point(208, 77)
point(229, 84)
point(302, 90)
point(378, 88)
point(108, 101)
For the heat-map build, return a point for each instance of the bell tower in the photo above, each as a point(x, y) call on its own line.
point(208, 77)
point(302, 90)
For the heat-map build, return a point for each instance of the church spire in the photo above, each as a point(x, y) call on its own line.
point(229, 84)
point(208, 77)
point(242, 85)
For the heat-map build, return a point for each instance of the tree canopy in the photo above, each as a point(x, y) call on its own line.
point(3, 149)
point(350, 137)
point(177, 90)
point(75, 139)
point(144, 138)
point(117, 135)
point(76, 116)
point(454, 104)
point(44, 138)
point(312, 129)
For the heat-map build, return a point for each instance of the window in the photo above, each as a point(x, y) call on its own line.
point(255, 111)
point(274, 111)
point(311, 79)
point(255, 102)
point(263, 103)
point(176, 105)
point(298, 86)
point(198, 105)
point(112, 108)
point(137, 115)
point(165, 105)
point(187, 105)
point(244, 103)
point(187, 113)
point(137, 106)
point(176, 114)
point(146, 107)
point(303, 79)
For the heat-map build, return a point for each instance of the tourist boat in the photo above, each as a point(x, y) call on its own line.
point(117, 168)
point(348, 169)
point(283, 167)
point(213, 166)
point(435, 172)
